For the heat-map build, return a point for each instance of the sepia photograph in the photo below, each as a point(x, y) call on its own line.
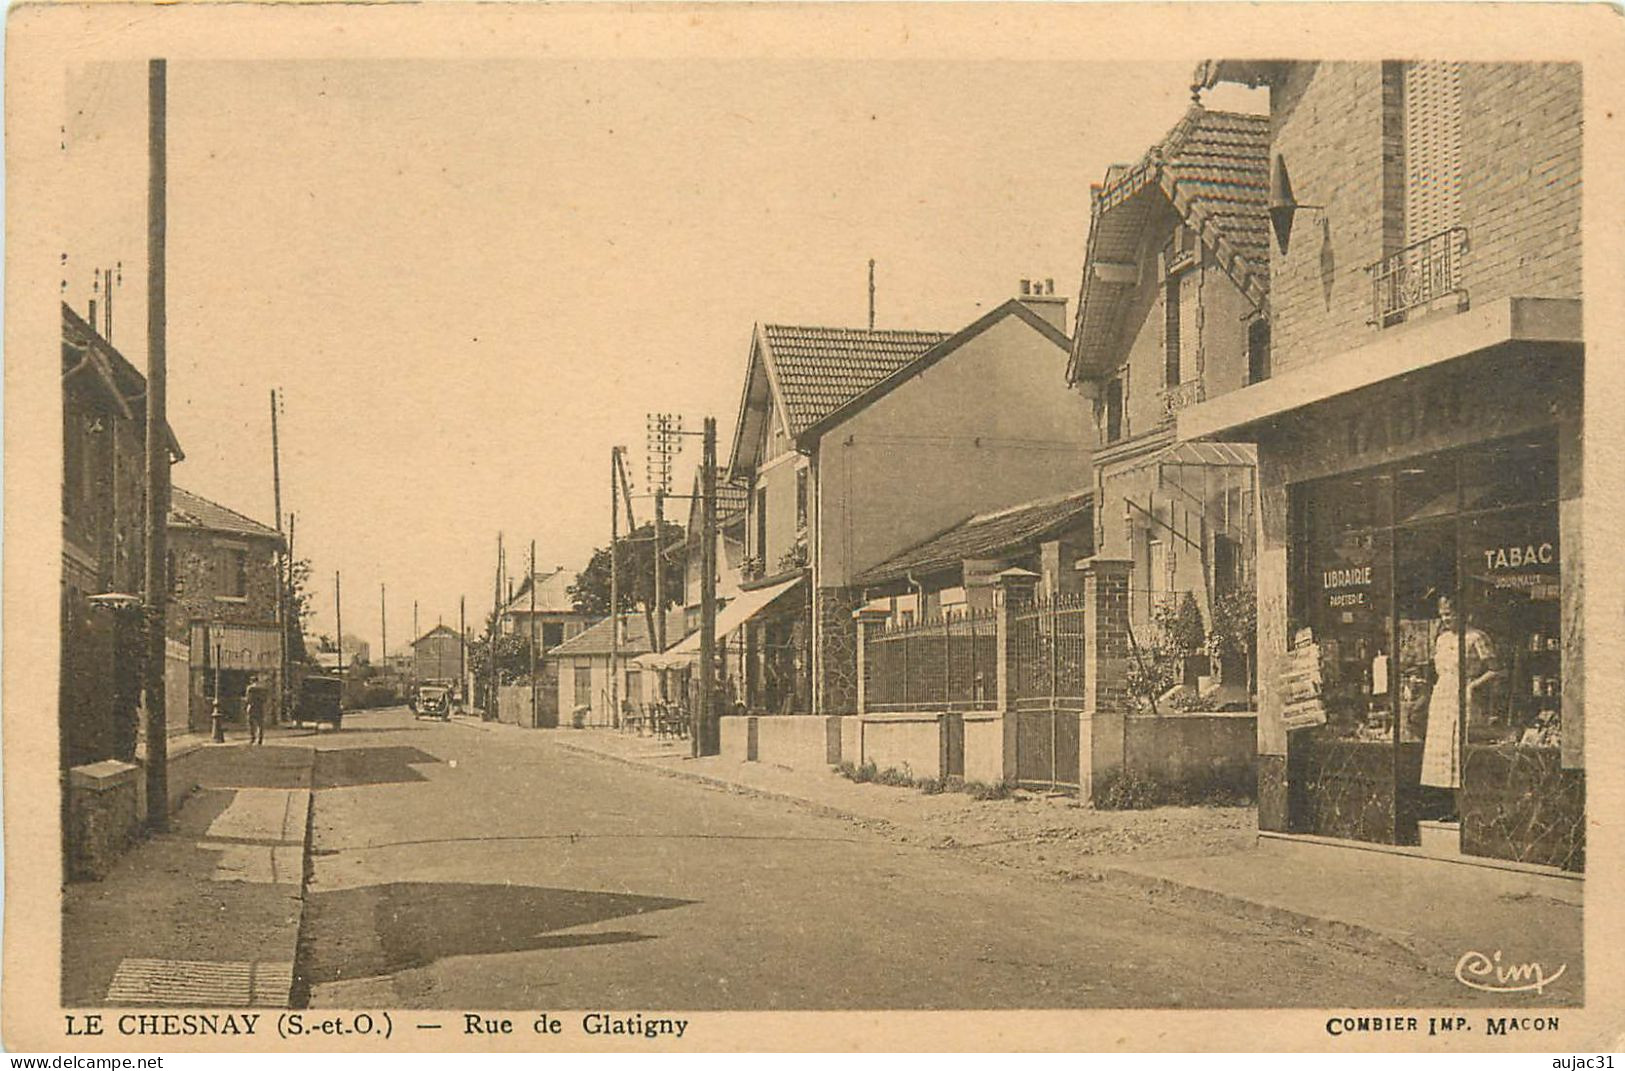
point(563, 538)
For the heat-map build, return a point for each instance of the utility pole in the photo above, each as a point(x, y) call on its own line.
point(705, 716)
point(462, 648)
point(282, 592)
point(383, 625)
point(631, 537)
point(614, 589)
point(338, 617)
point(531, 639)
point(496, 627)
point(659, 638)
point(157, 579)
point(871, 293)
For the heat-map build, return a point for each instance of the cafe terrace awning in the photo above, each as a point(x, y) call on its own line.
point(746, 605)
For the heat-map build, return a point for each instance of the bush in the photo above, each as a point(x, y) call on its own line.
point(1225, 786)
point(982, 790)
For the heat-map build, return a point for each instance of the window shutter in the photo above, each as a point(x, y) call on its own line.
point(1432, 149)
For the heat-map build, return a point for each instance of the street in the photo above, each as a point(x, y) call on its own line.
point(459, 868)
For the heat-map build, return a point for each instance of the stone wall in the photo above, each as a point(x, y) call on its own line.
point(195, 585)
point(103, 816)
point(835, 685)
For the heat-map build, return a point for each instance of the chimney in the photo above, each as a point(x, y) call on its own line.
point(1039, 295)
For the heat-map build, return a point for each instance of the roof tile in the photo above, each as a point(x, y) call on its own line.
point(819, 368)
point(187, 510)
point(985, 535)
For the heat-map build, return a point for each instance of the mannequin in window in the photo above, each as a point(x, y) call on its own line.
point(1441, 753)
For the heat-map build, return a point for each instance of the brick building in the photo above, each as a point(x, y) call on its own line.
point(223, 583)
point(1420, 457)
point(102, 651)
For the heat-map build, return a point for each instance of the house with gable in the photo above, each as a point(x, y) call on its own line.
point(857, 444)
point(1172, 309)
point(551, 617)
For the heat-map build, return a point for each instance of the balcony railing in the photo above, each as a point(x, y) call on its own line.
point(1418, 277)
point(1176, 398)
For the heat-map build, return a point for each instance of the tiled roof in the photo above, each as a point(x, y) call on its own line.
point(818, 368)
point(985, 535)
point(187, 510)
point(1213, 167)
point(731, 498)
point(634, 636)
point(552, 595)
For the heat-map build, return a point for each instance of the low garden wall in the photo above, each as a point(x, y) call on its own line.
point(1193, 750)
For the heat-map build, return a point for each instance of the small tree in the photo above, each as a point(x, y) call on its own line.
point(634, 565)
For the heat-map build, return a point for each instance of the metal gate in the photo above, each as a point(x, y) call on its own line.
point(1047, 688)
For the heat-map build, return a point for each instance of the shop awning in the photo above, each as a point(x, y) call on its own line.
point(1397, 351)
point(746, 605)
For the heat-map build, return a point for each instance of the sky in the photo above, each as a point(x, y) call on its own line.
point(470, 280)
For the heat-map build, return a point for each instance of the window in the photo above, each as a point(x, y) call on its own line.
point(1258, 350)
point(1170, 333)
point(552, 634)
point(1114, 410)
point(801, 500)
point(761, 525)
point(581, 671)
point(231, 579)
point(1432, 149)
point(173, 574)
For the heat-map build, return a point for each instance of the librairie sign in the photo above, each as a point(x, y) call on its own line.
point(1346, 587)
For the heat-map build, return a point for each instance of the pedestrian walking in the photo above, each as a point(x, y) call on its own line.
point(254, 700)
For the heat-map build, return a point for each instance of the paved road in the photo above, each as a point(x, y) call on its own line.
point(460, 868)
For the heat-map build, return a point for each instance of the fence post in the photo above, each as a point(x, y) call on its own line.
point(1015, 591)
point(1103, 725)
point(866, 619)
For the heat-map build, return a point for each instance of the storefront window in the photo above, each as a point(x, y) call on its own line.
point(1432, 590)
point(1347, 605)
point(1510, 561)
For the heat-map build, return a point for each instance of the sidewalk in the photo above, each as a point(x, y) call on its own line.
point(1403, 908)
point(208, 913)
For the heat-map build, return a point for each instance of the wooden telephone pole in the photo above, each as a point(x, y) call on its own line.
point(705, 718)
point(157, 564)
point(531, 637)
point(614, 588)
point(282, 592)
point(338, 621)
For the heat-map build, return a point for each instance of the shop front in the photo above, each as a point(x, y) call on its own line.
point(1420, 555)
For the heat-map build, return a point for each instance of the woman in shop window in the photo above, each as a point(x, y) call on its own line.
point(1441, 753)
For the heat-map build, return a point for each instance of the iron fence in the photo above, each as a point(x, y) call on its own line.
point(944, 662)
point(1048, 643)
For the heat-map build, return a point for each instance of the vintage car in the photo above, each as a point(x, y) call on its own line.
point(320, 700)
point(432, 701)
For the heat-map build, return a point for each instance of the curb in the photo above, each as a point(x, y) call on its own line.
point(1368, 940)
point(1391, 946)
point(298, 983)
point(824, 809)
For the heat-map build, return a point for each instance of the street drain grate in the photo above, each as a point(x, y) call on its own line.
point(162, 982)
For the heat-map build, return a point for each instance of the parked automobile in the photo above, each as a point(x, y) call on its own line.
point(320, 700)
point(432, 701)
